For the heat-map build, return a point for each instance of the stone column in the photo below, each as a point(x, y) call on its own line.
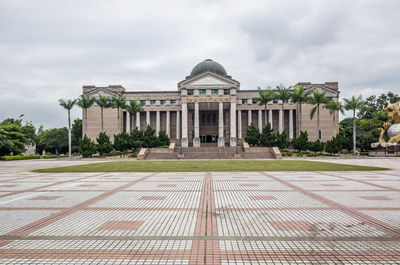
point(249, 117)
point(260, 120)
point(168, 125)
point(280, 120)
point(221, 140)
point(128, 122)
point(270, 117)
point(178, 121)
point(157, 122)
point(290, 124)
point(239, 124)
point(184, 141)
point(233, 140)
point(147, 117)
point(138, 120)
point(196, 139)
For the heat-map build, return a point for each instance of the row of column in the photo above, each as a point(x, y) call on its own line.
point(167, 126)
point(221, 139)
point(280, 125)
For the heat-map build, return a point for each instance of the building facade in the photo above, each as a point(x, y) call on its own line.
point(209, 109)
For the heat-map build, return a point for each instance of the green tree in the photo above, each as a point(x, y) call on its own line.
point(87, 147)
point(318, 99)
point(53, 140)
point(85, 102)
point(104, 144)
point(333, 107)
point(281, 140)
point(253, 135)
point(76, 133)
point(265, 96)
point(132, 108)
point(137, 138)
point(353, 104)
point(267, 137)
point(163, 139)
point(118, 103)
point(334, 145)
point(68, 104)
point(103, 102)
point(149, 138)
point(12, 138)
point(282, 93)
point(299, 96)
point(122, 142)
point(301, 143)
point(316, 146)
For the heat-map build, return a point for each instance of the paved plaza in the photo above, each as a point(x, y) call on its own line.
point(199, 218)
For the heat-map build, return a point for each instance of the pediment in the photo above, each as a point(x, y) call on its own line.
point(209, 79)
point(100, 92)
point(329, 91)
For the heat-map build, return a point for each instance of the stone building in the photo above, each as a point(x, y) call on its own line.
point(209, 109)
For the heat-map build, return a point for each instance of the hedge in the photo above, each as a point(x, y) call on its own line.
point(21, 157)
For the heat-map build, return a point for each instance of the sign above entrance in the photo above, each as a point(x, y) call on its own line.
point(209, 99)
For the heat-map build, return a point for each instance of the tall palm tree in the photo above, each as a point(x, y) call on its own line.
point(133, 107)
point(354, 104)
point(118, 102)
point(103, 102)
point(283, 94)
point(318, 98)
point(299, 96)
point(84, 103)
point(68, 104)
point(333, 107)
point(265, 96)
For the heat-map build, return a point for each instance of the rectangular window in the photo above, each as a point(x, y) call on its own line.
point(244, 100)
point(214, 92)
point(227, 91)
point(208, 118)
point(143, 102)
point(173, 101)
point(203, 118)
point(190, 92)
point(202, 92)
point(152, 102)
point(163, 102)
point(255, 101)
point(214, 118)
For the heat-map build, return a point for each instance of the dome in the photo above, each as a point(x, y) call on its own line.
point(208, 65)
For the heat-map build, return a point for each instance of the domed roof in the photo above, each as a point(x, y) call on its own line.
point(208, 65)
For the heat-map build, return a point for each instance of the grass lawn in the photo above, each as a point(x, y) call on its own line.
point(208, 165)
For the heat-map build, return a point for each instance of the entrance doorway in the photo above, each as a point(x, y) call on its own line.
point(208, 139)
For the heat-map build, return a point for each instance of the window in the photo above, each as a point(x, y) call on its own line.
point(203, 118)
point(173, 101)
point(255, 101)
point(143, 102)
point(275, 101)
point(190, 92)
point(163, 102)
point(244, 100)
point(214, 118)
point(202, 92)
point(152, 102)
point(214, 92)
point(227, 91)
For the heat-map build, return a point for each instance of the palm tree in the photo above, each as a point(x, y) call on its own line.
point(355, 103)
point(333, 107)
point(103, 102)
point(85, 102)
point(317, 99)
point(68, 104)
point(119, 103)
point(133, 107)
point(299, 96)
point(283, 94)
point(264, 97)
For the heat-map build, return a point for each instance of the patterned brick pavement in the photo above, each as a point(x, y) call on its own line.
point(200, 218)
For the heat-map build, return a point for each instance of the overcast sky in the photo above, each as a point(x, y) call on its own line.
point(49, 49)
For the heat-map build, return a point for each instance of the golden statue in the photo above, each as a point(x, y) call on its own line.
point(391, 127)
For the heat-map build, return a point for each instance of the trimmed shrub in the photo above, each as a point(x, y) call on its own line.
point(301, 143)
point(163, 139)
point(104, 144)
point(316, 146)
point(136, 138)
point(49, 156)
point(122, 142)
point(281, 140)
point(149, 138)
point(20, 157)
point(87, 147)
point(334, 145)
point(267, 137)
point(253, 135)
